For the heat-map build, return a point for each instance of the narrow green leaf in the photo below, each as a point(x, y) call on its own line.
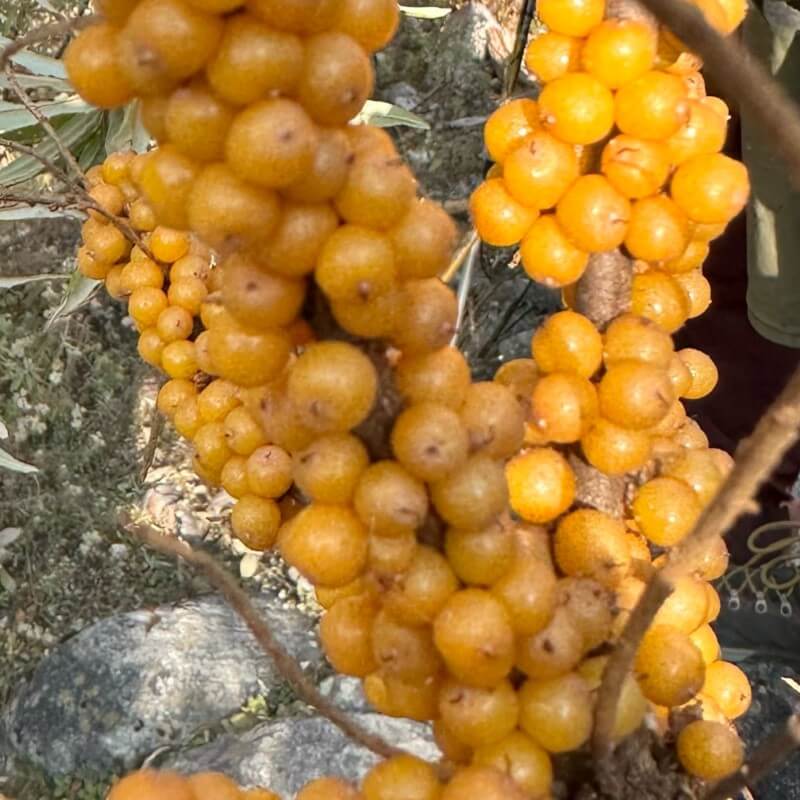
point(425, 12)
point(73, 131)
point(125, 130)
point(38, 82)
point(17, 213)
point(7, 461)
point(386, 115)
point(36, 64)
point(20, 280)
point(14, 116)
point(79, 291)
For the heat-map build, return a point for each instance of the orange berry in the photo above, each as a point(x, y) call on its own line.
point(653, 106)
point(401, 777)
point(615, 450)
point(571, 17)
point(635, 167)
point(372, 23)
point(423, 240)
point(698, 468)
point(528, 592)
point(563, 406)
point(478, 716)
point(659, 297)
point(703, 371)
point(633, 338)
point(729, 687)
point(509, 126)
point(617, 51)
point(148, 782)
point(551, 55)
point(658, 229)
point(178, 359)
point(710, 750)
point(549, 257)
point(248, 359)
point(524, 761)
point(704, 132)
point(91, 64)
point(255, 521)
point(635, 395)
point(197, 122)
point(173, 394)
point(665, 509)
point(145, 306)
point(297, 16)
point(711, 188)
point(169, 245)
point(541, 484)
point(594, 215)
point(692, 258)
point(539, 171)
point(346, 635)
point(705, 640)
point(327, 788)
point(498, 218)
point(442, 376)
point(577, 108)
point(669, 668)
point(166, 182)
point(568, 342)
point(484, 782)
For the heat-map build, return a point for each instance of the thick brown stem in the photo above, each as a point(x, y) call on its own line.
point(604, 291)
point(756, 458)
point(596, 489)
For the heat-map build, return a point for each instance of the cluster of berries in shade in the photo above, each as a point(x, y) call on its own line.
point(493, 625)
point(399, 778)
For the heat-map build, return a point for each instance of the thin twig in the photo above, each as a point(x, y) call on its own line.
point(756, 458)
point(49, 165)
point(44, 32)
point(770, 754)
point(458, 259)
point(156, 427)
point(514, 64)
point(741, 75)
point(287, 666)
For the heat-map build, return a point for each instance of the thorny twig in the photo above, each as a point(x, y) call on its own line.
point(44, 32)
point(515, 59)
point(287, 666)
point(49, 165)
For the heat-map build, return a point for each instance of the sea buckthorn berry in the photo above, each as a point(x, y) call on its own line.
point(480, 556)
point(591, 544)
point(571, 17)
point(298, 16)
point(540, 170)
point(633, 338)
point(659, 297)
point(703, 370)
point(711, 188)
point(346, 635)
point(484, 782)
point(692, 258)
point(378, 191)
point(635, 395)
point(402, 651)
point(552, 651)
point(704, 133)
point(528, 592)
point(729, 687)
point(549, 257)
point(412, 699)
point(328, 469)
point(541, 484)
point(248, 359)
point(188, 293)
point(217, 400)
point(473, 493)
point(150, 347)
point(594, 215)
point(297, 240)
point(551, 55)
point(113, 283)
point(615, 450)
point(520, 376)
point(377, 319)
point(617, 51)
point(156, 783)
point(327, 788)
point(168, 244)
point(699, 470)
point(109, 198)
point(327, 544)
point(479, 716)
point(635, 167)
point(146, 305)
point(430, 441)
point(568, 342)
point(372, 23)
point(665, 509)
point(499, 219)
point(577, 108)
point(423, 240)
point(174, 323)
point(390, 556)
point(427, 316)
point(166, 181)
point(389, 500)
point(337, 78)
point(178, 359)
point(269, 471)
point(197, 122)
point(705, 640)
point(687, 607)
point(141, 216)
point(668, 666)
point(355, 265)
point(509, 126)
point(401, 777)
point(658, 229)
point(653, 106)
point(710, 750)
point(173, 394)
point(557, 713)
point(253, 60)
point(153, 115)
point(211, 447)
point(164, 42)
point(90, 267)
point(524, 761)
point(494, 419)
point(271, 143)
point(255, 521)
point(91, 63)
point(234, 476)
point(563, 406)
point(439, 377)
point(451, 747)
point(105, 243)
point(474, 635)
point(329, 171)
point(332, 386)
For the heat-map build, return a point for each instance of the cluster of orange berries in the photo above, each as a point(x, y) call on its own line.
point(399, 778)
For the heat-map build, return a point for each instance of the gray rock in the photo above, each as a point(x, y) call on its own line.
point(134, 682)
point(286, 754)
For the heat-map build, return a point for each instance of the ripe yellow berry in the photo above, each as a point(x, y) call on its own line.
point(509, 126)
point(659, 297)
point(729, 687)
point(652, 106)
point(711, 188)
point(499, 219)
point(615, 450)
point(594, 215)
point(568, 342)
point(617, 51)
point(665, 509)
point(551, 55)
point(703, 371)
point(669, 668)
point(577, 108)
point(255, 521)
point(571, 17)
point(541, 484)
point(710, 750)
point(549, 257)
point(635, 395)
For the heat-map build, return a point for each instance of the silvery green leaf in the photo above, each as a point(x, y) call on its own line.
point(15, 213)
point(425, 12)
point(23, 168)
point(9, 535)
point(36, 64)
point(38, 82)
point(7, 461)
point(47, 6)
point(386, 115)
point(21, 280)
point(14, 116)
point(125, 130)
point(79, 290)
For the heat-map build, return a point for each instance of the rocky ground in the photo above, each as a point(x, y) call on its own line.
point(111, 656)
